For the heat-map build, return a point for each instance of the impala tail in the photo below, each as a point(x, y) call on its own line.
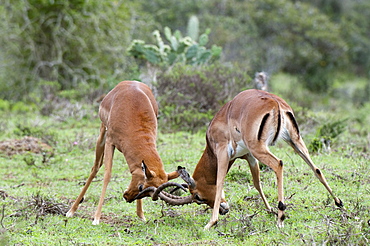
point(270, 128)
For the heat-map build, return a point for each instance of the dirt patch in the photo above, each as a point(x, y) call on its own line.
point(26, 144)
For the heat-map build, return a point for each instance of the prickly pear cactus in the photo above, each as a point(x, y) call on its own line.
point(178, 50)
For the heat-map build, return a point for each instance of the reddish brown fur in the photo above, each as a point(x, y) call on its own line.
point(129, 123)
point(238, 123)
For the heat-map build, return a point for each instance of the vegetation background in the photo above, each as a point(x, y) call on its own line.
point(57, 58)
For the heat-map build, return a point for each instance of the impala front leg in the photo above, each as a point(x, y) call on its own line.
point(139, 209)
point(99, 155)
point(108, 151)
point(222, 166)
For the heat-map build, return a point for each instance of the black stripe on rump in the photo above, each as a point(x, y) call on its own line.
point(263, 123)
point(292, 119)
point(278, 127)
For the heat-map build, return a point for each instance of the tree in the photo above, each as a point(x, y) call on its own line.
point(295, 38)
point(71, 42)
point(270, 35)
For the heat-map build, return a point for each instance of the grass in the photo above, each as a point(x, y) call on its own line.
point(34, 195)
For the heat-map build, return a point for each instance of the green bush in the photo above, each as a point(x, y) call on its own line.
point(362, 95)
point(71, 42)
point(4, 105)
point(189, 96)
point(48, 136)
point(21, 107)
point(326, 134)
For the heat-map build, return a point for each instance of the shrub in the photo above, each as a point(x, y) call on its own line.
point(4, 105)
point(326, 134)
point(22, 107)
point(46, 135)
point(71, 42)
point(189, 96)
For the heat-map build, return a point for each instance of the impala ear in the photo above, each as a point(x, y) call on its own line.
point(173, 175)
point(148, 174)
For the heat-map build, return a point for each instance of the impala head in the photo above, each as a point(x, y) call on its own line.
point(203, 192)
point(144, 178)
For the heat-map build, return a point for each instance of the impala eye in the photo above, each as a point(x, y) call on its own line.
point(140, 187)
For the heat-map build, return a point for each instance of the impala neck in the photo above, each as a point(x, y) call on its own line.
point(206, 165)
point(149, 155)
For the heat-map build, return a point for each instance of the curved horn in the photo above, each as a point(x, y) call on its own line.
point(144, 193)
point(178, 201)
point(171, 195)
point(168, 198)
point(173, 199)
point(176, 188)
point(163, 186)
point(186, 177)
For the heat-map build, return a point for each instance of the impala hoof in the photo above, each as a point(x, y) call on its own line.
point(224, 208)
point(209, 225)
point(338, 203)
point(280, 224)
point(69, 214)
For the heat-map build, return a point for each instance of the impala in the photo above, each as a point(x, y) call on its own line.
point(244, 128)
point(129, 123)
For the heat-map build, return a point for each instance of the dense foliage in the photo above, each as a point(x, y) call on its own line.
point(85, 42)
point(71, 42)
point(310, 38)
point(189, 96)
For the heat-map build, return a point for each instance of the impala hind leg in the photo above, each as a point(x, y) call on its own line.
point(301, 149)
point(108, 160)
point(265, 156)
point(99, 155)
point(255, 170)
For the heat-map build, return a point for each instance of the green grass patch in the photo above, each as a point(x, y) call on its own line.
point(34, 195)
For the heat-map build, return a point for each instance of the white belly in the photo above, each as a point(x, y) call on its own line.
point(239, 150)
